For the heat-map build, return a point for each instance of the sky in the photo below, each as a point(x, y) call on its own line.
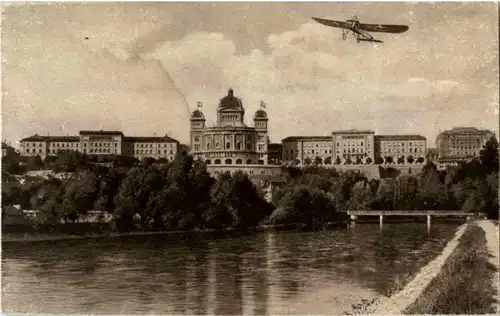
point(142, 67)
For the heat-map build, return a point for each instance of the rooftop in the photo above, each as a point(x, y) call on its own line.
point(101, 132)
point(38, 138)
point(306, 138)
point(400, 137)
point(353, 131)
point(151, 139)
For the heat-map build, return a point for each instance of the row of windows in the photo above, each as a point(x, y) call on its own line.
point(385, 144)
point(102, 151)
point(164, 145)
point(100, 144)
point(150, 151)
point(415, 150)
point(230, 161)
point(33, 150)
point(352, 144)
point(64, 145)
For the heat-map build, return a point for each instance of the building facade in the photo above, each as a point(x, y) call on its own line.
point(101, 143)
point(303, 150)
point(230, 145)
point(230, 141)
point(274, 153)
point(400, 149)
point(353, 146)
point(461, 144)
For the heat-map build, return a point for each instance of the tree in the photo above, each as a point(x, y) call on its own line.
point(79, 196)
point(361, 197)
point(420, 160)
point(348, 160)
point(401, 160)
point(430, 195)
point(318, 161)
point(359, 161)
point(338, 161)
point(489, 155)
point(328, 160)
point(410, 159)
point(368, 161)
point(389, 159)
point(307, 161)
point(379, 160)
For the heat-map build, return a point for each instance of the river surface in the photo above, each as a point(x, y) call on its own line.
point(262, 273)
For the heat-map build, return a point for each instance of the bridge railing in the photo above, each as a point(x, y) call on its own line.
point(411, 213)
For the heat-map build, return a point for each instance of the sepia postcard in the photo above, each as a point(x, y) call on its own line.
point(249, 158)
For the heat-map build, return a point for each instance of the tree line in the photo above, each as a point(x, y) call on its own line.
point(180, 195)
point(315, 195)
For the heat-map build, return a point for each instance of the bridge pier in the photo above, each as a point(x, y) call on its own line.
point(381, 220)
point(428, 224)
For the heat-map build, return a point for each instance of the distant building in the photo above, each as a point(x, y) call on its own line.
point(302, 150)
point(230, 145)
point(461, 144)
point(274, 153)
point(353, 145)
point(399, 148)
point(101, 143)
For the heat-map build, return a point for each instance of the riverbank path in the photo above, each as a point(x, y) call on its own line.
point(492, 242)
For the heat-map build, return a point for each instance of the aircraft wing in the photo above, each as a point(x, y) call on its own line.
point(386, 28)
point(331, 23)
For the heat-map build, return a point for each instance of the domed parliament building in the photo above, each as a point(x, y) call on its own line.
point(230, 145)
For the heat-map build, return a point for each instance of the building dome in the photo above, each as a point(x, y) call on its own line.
point(260, 114)
point(197, 114)
point(230, 101)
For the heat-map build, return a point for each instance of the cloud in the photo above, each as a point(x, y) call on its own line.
point(58, 82)
point(314, 83)
point(140, 60)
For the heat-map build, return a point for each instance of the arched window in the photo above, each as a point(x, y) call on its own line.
point(261, 162)
point(249, 161)
point(208, 161)
point(228, 145)
point(239, 161)
point(217, 161)
point(228, 161)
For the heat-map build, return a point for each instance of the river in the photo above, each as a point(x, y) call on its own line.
point(262, 273)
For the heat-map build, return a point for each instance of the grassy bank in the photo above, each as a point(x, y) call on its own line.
point(463, 284)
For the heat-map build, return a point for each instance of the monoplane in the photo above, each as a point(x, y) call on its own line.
point(360, 30)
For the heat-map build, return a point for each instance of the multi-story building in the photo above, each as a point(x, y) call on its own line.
point(303, 150)
point(461, 144)
point(356, 146)
point(101, 143)
point(230, 145)
point(274, 152)
point(151, 147)
point(400, 149)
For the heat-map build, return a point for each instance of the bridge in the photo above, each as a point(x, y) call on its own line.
point(428, 213)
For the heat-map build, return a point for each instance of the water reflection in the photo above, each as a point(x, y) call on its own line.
point(266, 273)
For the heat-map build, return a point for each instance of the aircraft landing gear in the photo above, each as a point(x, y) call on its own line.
point(344, 36)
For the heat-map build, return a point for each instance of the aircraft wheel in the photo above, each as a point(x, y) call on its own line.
point(343, 36)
